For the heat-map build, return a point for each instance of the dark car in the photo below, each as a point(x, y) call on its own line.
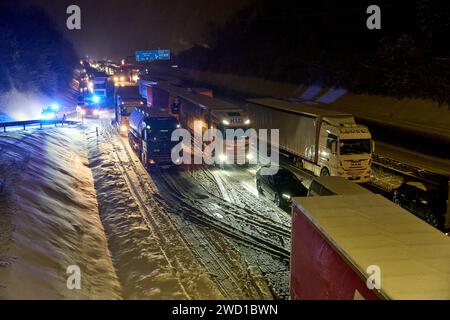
point(280, 188)
point(426, 202)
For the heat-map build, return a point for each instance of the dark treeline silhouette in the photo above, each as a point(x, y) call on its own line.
point(327, 42)
point(33, 53)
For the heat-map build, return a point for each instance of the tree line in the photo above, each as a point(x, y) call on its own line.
point(327, 42)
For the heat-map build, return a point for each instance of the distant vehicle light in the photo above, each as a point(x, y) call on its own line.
point(122, 79)
point(178, 126)
point(116, 79)
point(226, 122)
point(142, 103)
point(83, 112)
point(247, 122)
point(96, 112)
point(48, 116)
point(96, 99)
point(55, 107)
point(287, 197)
point(249, 157)
point(222, 158)
point(123, 128)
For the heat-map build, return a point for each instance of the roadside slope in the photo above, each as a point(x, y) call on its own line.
point(50, 217)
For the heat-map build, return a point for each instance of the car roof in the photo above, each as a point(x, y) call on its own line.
point(420, 185)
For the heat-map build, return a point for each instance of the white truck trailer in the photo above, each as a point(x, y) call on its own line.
point(321, 141)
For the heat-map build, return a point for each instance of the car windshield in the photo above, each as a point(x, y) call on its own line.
point(355, 146)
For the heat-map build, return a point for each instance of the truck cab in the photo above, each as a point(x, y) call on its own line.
point(345, 150)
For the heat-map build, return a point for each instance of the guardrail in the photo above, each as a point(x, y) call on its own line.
point(39, 123)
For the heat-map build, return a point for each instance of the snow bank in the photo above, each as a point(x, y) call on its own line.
point(146, 267)
point(49, 219)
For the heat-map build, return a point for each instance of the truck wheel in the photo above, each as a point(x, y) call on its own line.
point(258, 187)
point(325, 172)
point(299, 163)
point(277, 200)
point(433, 220)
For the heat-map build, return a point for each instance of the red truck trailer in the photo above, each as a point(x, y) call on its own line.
point(365, 247)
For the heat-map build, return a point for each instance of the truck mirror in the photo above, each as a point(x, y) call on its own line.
point(373, 146)
point(334, 147)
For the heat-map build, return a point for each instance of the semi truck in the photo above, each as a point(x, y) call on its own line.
point(164, 95)
point(127, 99)
point(150, 135)
point(321, 141)
point(347, 247)
point(212, 113)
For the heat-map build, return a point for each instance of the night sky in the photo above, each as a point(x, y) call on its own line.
point(115, 29)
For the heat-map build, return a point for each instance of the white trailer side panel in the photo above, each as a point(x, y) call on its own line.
point(298, 133)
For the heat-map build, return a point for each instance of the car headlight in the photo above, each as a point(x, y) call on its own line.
point(286, 196)
point(226, 122)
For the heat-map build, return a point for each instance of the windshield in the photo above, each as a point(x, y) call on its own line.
point(126, 111)
point(355, 146)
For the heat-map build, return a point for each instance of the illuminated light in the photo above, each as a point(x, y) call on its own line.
point(249, 157)
point(78, 109)
point(83, 112)
point(123, 128)
point(142, 103)
point(55, 106)
point(148, 127)
point(122, 78)
point(226, 122)
point(247, 122)
point(178, 126)
point(222, 158)
point(47, 116)
point(286, 196)
point(96, 112)
point(116, 79)
point(96, 99)
point(152, 162)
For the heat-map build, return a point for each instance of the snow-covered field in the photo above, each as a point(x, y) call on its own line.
point(49, 219)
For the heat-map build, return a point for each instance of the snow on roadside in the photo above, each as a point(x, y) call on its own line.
point(49, 219)
point(146, 267)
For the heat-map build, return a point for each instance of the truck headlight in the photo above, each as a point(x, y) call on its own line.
point(286, 196)
point(123, 128)
point(247, 122)
point(96, 112)
point(226, 122)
